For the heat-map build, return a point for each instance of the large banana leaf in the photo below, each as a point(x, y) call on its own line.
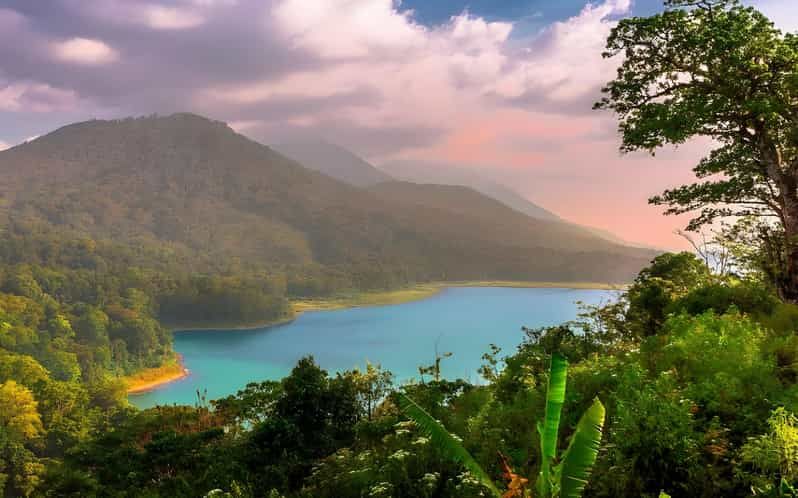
point(555, 397)
point(577, 461)
point(445, 442)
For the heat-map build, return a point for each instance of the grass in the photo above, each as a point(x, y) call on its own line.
point(152, 378)
point(535, 284)
point(380, 298)
point(423, 291)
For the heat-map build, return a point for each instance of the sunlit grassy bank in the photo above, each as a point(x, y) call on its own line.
point(534, 284)
point(422, 291)
point(398, 296)
point(153, 378)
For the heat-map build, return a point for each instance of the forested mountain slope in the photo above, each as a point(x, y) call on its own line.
point(184, 190)
point(445, 174)
point(346, 166)
point(497, 219)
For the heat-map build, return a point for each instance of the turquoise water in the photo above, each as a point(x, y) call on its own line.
point(460, 320)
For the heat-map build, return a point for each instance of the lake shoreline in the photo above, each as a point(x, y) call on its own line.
point(356, 300)
point(150, 379)
point(188, 327)
point(423, 291)
point(383, 298)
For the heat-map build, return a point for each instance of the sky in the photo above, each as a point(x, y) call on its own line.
point(503, 88)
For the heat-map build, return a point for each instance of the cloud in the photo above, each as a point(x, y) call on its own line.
point(27, 96)
point(84, 51)
point(160, 17)
point(563, 65)
point(363, 73)
point(153, 15)
point(4, 145)
point(11, 19)
point(347, 28)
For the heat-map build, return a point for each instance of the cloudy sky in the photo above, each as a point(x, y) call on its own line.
point(504, 88)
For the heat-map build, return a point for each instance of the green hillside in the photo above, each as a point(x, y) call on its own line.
point(450, 174)
point(187, 192)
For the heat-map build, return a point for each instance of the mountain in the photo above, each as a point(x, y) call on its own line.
point(185, 191)
point(506, 223)
point(346, 166)
point(444, 174)
point(334, 161)
point(440, 173)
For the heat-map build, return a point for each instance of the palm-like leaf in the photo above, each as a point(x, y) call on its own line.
point(445, 442)
point(555, 397)
point(577, 461)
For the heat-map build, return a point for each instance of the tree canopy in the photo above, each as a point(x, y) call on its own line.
point(719, 70)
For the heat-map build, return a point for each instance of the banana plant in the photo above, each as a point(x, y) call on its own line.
point(564, 478)
point(449, 445)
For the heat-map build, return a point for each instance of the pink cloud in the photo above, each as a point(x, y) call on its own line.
point(30, 96)
point(84, 51)
point(516, 108)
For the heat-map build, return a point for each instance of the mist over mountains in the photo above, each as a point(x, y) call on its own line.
point(344, 165)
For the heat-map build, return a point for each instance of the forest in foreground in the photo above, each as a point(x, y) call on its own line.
point(697, 372)
point(683, 387)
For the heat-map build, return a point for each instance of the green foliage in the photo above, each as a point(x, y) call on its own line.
point(720, 361)
point(651, 439)
point(568, 478)
point(555, 397)
point(20, 429)
point(577, 462)
point(445, 442)
point(223, 300)
point(749, 298)
point(775, 454)
point(19, 416)
point(686, 410)
point(669, 277)
point(720, 70)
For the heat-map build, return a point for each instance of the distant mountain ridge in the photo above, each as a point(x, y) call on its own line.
point(334, 161)
point(344, 165)
point(467, 202)
point(193, 192)
point(429, 172)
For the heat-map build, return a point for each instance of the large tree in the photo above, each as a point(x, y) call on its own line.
point(717, 69)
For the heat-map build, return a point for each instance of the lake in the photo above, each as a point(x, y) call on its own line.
point(400, 337)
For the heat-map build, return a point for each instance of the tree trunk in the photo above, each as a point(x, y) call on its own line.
point(788, 282)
